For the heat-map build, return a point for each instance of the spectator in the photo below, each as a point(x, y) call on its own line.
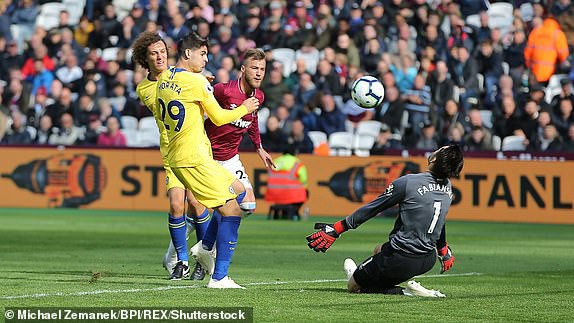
point(529, 120)
point(68, 134)
point(428, 140)
point(564, 118)
point(63, 104)
point(299, 139)
point(550, 140)
point(83, 30)
point(25, 18)
point(273, 138)
point(70, 74)
point(452, 117)
point(326, 80)
point(331, 118)
point(391, 111)
point(346, 46)
point(45, 130)
point(490, 66)
point(546, 46)
point(514, 56)
point(112, 137)
point(17, 134)
point(10, 58)
point(385, 141)
point(305, 90)
point(565, 93)
point(509, 121)
point(464, 73)
point(442, 87)
point(569, 143)
point(17, 96)
point(417, 103)
point(478, 139)
point(274, 88)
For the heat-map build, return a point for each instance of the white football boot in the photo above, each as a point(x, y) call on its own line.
point(415, 289)
point(350, 266)
point(224, 282)
point(205, 257)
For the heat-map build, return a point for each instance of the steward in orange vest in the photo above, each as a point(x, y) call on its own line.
point(546, 47)
point(287, 183)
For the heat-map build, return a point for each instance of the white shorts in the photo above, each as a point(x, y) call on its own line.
point(235, 167)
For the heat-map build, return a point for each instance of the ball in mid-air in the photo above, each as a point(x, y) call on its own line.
point(367, 92)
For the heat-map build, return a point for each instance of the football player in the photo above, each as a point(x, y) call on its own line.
point(418, 235)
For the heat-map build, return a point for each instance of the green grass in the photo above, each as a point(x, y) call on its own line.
point(524, 271)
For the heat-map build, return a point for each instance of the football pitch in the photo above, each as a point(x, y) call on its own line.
point(85, 258)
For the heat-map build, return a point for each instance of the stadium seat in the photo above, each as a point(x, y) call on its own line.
point(513, 143)
point(52, 9)
point(148, 123)
point(500, 15)
point(285, 56)
point(47, 22)
point(148, 138)
point(262, 116)
point(318, 137)
point(32, 131)
point(110, 54)
point(496, 142)
point(311, 59)
point(362, 145)
point(129, 122)
point(75, 8)
point(369, 127)
point(505, 68)
point(349, 126)
point(473, 20)
point(341, 144)
point(131, 137)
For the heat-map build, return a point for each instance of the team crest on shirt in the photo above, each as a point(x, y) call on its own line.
point(208, 87)
point(389, 190)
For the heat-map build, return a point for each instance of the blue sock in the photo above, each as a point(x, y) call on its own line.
point(209, 237)
point(226, 242)
point(240, 197)
point(211, 234)
point(177, 229)
point(202, 223)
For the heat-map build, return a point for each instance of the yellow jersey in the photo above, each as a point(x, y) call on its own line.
point(146, 91)
point(183, 98)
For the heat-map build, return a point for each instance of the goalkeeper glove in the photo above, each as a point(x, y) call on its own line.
point(326, 236)
point(446, 258)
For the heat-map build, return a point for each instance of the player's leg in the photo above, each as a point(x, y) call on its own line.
point(200, 217)
point(177, 229)
point(214, 187)
point(245, 198)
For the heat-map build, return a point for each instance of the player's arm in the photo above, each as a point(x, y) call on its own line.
point(328, 233)
point(445, 255)
point(255, 136)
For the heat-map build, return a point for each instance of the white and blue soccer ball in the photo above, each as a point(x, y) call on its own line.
point(367, 92)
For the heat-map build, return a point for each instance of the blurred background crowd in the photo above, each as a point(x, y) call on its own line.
point(486, 75)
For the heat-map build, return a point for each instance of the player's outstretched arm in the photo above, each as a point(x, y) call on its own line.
point(326, 236)
point(221, 116)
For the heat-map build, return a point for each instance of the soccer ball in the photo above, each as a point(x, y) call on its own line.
point(367, 92)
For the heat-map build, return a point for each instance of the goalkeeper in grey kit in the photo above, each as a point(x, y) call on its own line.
point(417, 238)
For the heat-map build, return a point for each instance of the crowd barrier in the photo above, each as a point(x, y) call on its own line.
point(133, 179)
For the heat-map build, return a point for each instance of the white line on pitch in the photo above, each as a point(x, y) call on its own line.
point(163, 288)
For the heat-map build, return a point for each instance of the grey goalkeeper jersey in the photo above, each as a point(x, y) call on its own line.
point(423, 204)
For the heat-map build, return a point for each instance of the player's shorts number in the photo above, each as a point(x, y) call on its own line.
point(179, 117)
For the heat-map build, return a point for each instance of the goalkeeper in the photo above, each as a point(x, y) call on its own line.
point(418, 235)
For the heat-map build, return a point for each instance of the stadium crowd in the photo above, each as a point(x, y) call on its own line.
point(468, 72)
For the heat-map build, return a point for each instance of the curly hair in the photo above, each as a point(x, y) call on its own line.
point(141, 44)
point(446, 162)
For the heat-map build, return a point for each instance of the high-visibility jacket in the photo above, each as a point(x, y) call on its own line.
point(287, 183)
point(546, 46)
